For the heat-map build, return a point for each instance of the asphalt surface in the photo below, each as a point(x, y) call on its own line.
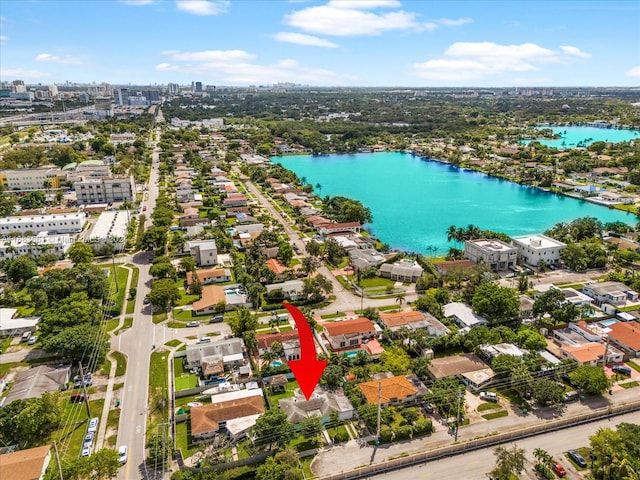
point(476, 465)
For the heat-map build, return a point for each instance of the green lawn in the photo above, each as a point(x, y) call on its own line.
point(335, 430)
point(174, 324)
point(128, 322)
point(173, 343)
point(106, 366)
point(159, 317)
point(487, 406)
point(131, 306)
point(332, 315)
point(491, 416)
point(111, 324)
point(182, 315)
point(158, 369)
point(584, 451)
point(288, 328)
point(300, 444)
point(117, 297)
point(5, 367)
point(633, 365)
point(275, 397)
point(182, 440)
point(629, 384)
point(306, 466)
point(74, 425)
point(377, 282)
point(121, 368)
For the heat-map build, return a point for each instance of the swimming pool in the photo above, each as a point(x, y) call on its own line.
point(276, 364)
point(354, 353)
point(608, 323)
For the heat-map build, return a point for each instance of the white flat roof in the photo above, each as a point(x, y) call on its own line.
point(538, 241)
point(236, 395)
point(111, 224)
point(492, 244)
point(43, 218)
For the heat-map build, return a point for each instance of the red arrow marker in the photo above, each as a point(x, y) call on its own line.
point(308, 369)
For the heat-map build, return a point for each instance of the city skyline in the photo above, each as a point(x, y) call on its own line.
point(330, 43)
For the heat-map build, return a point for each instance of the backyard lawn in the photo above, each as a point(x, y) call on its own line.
point(275, 397)
point(183, 380)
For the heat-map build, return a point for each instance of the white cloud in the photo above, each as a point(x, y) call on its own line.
point(575, 51)
point(210, 56)
point(137, 3)
point(457, 22)
point(364, 4)
point(66, 59)
point(240, 67)
point(22, 74)
point(466, 61)
point(330, 20)
point(634, 72)
point(354, 17)
point(302, 39)
point(203, 7)
point(3, 39)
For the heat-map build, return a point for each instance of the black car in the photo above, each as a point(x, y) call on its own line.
point(579, 459)
point(217, 319)
point(428, 408)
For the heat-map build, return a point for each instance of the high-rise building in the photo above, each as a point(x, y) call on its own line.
point(174, 88)
point(153, 96)
point(198, 87)
point(53, 90)
point(18, 86)
point(121, 96)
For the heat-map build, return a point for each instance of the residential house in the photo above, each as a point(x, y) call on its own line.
point(204, 252)
point(290, 342)
point(403, 271)
point(32, 383)
point(492, 252)
point(322, 403)
point(11, 325)
point(29, 464)
point(390, 391)
point(209, 276)
point(362, 259)
point(277, 267)
point(614, 293)
point(211, 297)
point(534, 248)
point(230, 351)
point(232, 413)
point(292, 289)
point(235, 200)
point(463, 315)
point(412, 321)
point(590, 353)
point(492, 351)
point(330, 228)
point(626, 335)
point(348, 334)
point(473, 371)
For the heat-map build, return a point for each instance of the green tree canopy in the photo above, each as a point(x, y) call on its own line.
point(272, 427)
point(80, 252)
point(590, 379)
point(163, 294)
point(495, 303)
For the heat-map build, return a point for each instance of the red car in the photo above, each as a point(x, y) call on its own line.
point(559, 470)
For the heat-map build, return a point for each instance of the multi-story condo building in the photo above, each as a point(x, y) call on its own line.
point(494, 253)
point(63, 223)
point(36, 246)
point(117, 188)
point(30, 178)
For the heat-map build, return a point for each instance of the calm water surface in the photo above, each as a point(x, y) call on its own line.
point(414, 201)
point(572, 136)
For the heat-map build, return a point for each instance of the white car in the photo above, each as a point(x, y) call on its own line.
point(88, 439)
point(122, 454)
point(489, 397)
point(204, 340)
point(32, 340)
point(86, 452)
point(93, 425)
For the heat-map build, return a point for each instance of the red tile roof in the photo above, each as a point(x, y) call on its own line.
point(627, 333)
point(390, 388)
point(357, 325)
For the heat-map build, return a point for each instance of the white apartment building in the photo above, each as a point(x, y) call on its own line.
point(117, 188)
point(495, 253)
point(111, 228)
point(533, 248)
point(59, 224)
point(30, 178)
point(35, 246)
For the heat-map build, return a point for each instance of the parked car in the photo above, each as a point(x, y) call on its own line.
point(88, 439)
point(123, 454)
point(489, 397)
point(217, 319)
point(193, 324)
point(87, 382)
point(86, 452)
point(93, 425)
point(621, 369)
point(204, 340)
point(32, 340)
point(579, 459)
point(558, 470)
point(571, 397)
point(428, 408)
point(26, 336)
point(78, 397)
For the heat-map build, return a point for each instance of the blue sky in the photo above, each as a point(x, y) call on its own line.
point(331, 42)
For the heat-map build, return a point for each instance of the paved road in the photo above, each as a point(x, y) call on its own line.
point(136, 344)
point(475, 465)
point(345, 457)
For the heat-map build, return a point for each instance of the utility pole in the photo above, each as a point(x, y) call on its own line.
point(458, 414)
point(379, 412)
point(604, 357)
point(55, 449)
point(115, 273)
point(84, 388)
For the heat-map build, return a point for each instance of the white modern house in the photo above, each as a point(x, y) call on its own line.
point(463, 315)
point(205, 252)
point(533, 248)
point(493, 252)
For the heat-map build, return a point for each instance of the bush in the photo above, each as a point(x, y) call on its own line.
point(544, 471)
point(341, 436)
point(403, 432)
point(386, 434)
point(422, 427)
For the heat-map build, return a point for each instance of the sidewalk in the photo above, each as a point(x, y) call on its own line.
point(346, 457)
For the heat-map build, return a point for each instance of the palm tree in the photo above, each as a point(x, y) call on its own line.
point(308, 266)
point(303, 181)
point(400, 299)
point(319, 188)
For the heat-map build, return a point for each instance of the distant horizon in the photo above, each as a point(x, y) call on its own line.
point(366, 43)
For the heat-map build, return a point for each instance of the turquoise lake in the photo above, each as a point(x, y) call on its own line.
point(414, 201)
point(572, 136)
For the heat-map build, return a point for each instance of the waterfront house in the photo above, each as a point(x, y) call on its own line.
point(404, 270)
point(492, 252)
point(533, 248)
